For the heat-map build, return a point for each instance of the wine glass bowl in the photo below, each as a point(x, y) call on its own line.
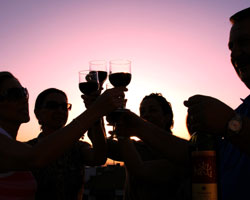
point(120, 72)
point(88, 81)
point(100, 66)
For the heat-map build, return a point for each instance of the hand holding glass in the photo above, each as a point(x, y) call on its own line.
point(119, 76)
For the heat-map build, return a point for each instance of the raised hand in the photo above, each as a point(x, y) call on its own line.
point(127, 124)
point(90, 99)
point(110, 100)
point(208, 114)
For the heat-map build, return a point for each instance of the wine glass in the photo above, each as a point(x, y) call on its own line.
point(100, 66)
point(119, 75)
point(88, 81)
point(120, 72)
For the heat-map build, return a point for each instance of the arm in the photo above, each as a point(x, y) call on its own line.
point(173, 148)
point(156, 171)
point(15, 155)
point(97, 155)
point(212, 115)
point(112, 145)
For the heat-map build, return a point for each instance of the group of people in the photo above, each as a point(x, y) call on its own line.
point(51, 166)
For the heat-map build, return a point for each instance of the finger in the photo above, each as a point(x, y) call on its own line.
point(84, 97)
point(116, 92)
point(119, 102)
point(123, 89)
point(122, 96)
point(119, 95)
point(186, 103)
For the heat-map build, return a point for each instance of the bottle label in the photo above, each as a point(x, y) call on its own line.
point(204, 177)
point(204, 191)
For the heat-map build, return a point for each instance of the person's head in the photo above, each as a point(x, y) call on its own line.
point(13, 100)
point(239, 44)
point(51, 109)
point(157, 110)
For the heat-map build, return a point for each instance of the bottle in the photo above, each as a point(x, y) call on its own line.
point(204, 167)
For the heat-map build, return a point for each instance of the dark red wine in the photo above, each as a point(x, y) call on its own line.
point(102, 75)
point(88, 87)
point(120, 79)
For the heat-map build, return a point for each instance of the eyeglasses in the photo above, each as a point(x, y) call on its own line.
point(53, 105)
point(14, 94)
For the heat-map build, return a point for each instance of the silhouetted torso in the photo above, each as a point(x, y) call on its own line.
point(64, 178)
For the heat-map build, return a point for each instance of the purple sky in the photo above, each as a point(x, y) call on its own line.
point(177, 48)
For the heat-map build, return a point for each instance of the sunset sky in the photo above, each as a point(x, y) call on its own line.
point(177, 48)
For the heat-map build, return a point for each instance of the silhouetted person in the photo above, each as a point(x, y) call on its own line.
point(17, 157)
point(214, 116)
point(149, 175)
point(64, 178)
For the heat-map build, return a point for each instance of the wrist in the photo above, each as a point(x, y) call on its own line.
point(234, 126)
point(96, 111)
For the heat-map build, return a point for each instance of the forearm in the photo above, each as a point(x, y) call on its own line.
point(172, 147)
point(131, 157)
point(19, 156)
point(99, 144)
point(55, 144)
point(153, 171)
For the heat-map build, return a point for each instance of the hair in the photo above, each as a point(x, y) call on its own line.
point(166, 107)
point(239, 16)
point(42, 96)
point(4, 75)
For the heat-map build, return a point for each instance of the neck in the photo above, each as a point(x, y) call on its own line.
point(11, 128)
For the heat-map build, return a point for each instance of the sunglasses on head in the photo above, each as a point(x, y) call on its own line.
point(53, 105)
point(14, 94)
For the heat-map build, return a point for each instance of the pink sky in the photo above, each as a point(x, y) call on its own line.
point(177, 48)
